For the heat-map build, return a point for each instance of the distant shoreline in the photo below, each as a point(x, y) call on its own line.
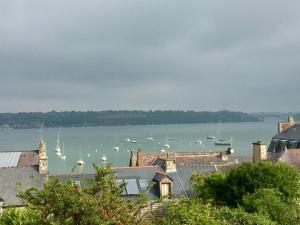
point(53, 119)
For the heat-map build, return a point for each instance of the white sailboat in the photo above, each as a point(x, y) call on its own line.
point(209, 136)
point(116, 148)
point(220, 140)
point(57, 148)
point(150, 138)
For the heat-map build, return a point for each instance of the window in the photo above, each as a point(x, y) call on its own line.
point(165, 189)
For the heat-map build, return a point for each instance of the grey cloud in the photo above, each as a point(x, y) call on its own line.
point(202, 55)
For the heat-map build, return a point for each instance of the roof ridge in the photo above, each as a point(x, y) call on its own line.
point(70, 174)
point(134, 167)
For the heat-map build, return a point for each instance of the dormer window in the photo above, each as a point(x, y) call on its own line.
point(165, 184)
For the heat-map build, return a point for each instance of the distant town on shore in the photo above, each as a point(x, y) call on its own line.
point(24, 120)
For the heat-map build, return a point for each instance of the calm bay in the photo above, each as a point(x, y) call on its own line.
point(90, 143)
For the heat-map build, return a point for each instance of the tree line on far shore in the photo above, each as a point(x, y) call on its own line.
point(124, 117)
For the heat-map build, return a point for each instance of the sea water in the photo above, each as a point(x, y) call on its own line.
point(91, 143)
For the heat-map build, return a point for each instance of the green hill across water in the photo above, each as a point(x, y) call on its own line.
point(124, 117)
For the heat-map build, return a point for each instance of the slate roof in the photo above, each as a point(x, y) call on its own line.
point(289, 138)
point(181, 178)
point(82, 178)
point(8, 183)
point(17, 166)
point(292, 133)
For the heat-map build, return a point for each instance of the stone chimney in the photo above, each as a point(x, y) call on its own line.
point(285, 125)
point(43, 159)
point(132, 162)
point(170, 164)
point(139, 156)
point(259, 151)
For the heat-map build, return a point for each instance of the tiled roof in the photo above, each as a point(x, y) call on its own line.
point(197, 159)
point(289, 156)
point(29, 158)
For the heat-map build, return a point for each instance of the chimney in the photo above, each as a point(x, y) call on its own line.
point(139, 155)
point(43, 159)
point(132, 162)
point(170, 164)
point(285, 125)
point(259, 151)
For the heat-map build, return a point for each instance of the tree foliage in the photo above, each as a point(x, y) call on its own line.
point(99, 202)
point(271, 190)
point(188, 212)
point(269, 202)
point(26, 216)
point(194, 212)
point(246, 179)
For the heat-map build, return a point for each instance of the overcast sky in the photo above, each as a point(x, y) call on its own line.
point(149, 54)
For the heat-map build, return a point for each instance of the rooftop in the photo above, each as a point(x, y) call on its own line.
point(292, 133)
point(9, 177)
point(18, 159)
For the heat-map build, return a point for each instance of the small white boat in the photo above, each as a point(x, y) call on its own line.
point(103, 158)
point(166, 145)
point(198, 142)
point(80, 162)
point(170, 139)
point(116, 148)
point(149, 138)
point(210, 137)
point(58, 154)
point(128, 139)
point(222, 142)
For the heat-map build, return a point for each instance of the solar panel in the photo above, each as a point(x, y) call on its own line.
point(9, 159)
point(131, 187)
point(144, 184)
